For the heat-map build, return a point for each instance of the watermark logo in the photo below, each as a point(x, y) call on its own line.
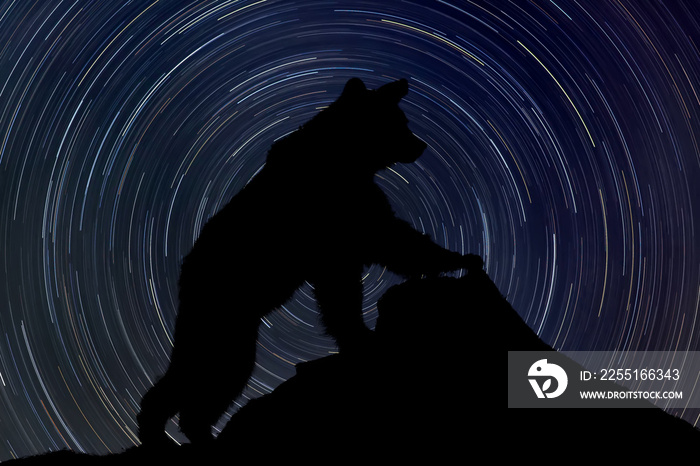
point(544, 372)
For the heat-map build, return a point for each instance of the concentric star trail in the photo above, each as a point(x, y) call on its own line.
point(563, 148)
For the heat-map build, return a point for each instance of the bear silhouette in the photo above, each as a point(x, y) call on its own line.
point(312, 214)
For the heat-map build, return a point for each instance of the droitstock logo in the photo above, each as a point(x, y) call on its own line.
point(542, 373)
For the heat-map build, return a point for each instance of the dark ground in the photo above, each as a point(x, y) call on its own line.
point(431, 390)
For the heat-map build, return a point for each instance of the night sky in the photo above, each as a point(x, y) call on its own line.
point(563, 148)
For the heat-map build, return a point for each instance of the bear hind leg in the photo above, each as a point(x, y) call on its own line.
point(217, 380)
point(158, 405)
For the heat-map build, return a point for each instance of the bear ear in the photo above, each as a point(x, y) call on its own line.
point(394, 91)
point(354, 86)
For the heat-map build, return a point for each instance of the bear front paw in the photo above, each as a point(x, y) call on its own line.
point(472, 262)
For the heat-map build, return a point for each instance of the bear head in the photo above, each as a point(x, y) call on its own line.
point(362, 131)
point(376, 129)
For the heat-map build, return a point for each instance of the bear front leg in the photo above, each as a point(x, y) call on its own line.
point(339, 296)
point(407, 252)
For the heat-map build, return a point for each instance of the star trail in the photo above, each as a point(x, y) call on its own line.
point(563, 148)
